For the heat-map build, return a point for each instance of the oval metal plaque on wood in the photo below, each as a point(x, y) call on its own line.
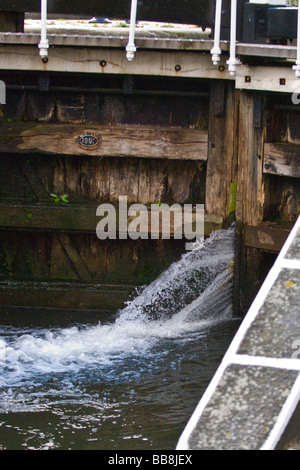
point(89, 140)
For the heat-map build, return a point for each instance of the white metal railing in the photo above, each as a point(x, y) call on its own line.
point(216, 50)
point(44, 43)
point(131, 48)
point(232, 62)
point(297, 66)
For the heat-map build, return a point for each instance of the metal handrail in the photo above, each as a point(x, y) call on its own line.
point(233, 60)
point(44, 43)
point(131, 48)
point(297, 66)
point(216, 50)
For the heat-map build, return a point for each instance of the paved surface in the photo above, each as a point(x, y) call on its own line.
point(253, 401)
point(117, 28)
point(243, 410)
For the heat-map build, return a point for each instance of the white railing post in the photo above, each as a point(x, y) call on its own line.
point(216, 50)
point(131, 48)
point(297, 66)
point(44, 43)
point(233, 60)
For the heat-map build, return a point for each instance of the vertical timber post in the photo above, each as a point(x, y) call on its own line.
point(221, 148)
point(250, 194)
point(221, 175)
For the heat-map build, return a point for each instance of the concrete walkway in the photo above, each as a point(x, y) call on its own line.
point(117, 28)
point(252, 400)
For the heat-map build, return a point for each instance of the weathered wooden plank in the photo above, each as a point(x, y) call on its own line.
point(69, 217)
point(39, 106)
point(70, 110)
point(34, 180)
point(94, 179)
point(221, 148)
point(60, 265)
point(39, 256)
point(265, 78)
point(250, 195)
point(87, 60)
point(282, 200)
point(250, 168)
point(64, 296)
point(150, 42)
point(282, 159)
point(75, 258)
point(265, 237)
point(121, 141)
point(48, 217)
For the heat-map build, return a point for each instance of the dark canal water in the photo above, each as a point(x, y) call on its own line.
point(129, 383)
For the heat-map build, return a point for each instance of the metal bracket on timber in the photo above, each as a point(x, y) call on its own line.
point(122, 141)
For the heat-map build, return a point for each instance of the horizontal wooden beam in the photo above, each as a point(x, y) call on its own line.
point(195, 63)
point(152, 39)
point(265, 237)
point(282, 159)
point(64, 296)
point(69, 217)
point(121, 141)
point(268, 77)
point(88, 60)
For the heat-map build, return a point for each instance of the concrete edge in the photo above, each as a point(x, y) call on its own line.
point(232, 357)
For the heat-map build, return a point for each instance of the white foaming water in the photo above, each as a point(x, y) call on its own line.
point(193, 294)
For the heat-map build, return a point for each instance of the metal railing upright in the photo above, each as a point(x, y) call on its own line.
point(216, 50)
point(131, 48)
point(233, 60)
point(297, 65)
point(44, 43)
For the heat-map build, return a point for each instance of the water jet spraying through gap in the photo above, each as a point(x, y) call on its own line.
point(193, 294)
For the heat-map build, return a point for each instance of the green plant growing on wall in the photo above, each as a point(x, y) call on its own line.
point(28, 216)
point(60, 199)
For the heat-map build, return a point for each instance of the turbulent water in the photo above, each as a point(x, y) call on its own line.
point(86, 366)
